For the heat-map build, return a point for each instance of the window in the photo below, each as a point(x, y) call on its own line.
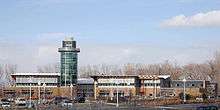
point(177, 85)
point(193, 85)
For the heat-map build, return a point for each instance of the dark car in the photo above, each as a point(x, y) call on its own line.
point(207, 108)
point(80, 100)
point(58, 100)
point(4, 100)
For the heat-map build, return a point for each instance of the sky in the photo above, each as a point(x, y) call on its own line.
point(109, 31)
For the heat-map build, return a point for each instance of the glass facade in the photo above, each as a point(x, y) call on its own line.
point(69, 58)
point(68, 68)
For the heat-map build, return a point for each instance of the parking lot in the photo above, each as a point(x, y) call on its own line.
point(109, 106)
point(101, 105)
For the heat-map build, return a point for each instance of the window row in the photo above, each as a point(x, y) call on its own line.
point(189, 85)
point(152, 84)
point(36, 80)
point(114, 84)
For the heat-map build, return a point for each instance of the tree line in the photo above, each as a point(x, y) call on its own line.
point(203, 71)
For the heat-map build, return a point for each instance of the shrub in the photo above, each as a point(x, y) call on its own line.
point(181, 96)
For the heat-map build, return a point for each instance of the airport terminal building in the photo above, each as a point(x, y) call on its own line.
point(67, 84)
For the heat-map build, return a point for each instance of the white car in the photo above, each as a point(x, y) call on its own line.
point(20, 101)
point(67, 103)
point(5, 105)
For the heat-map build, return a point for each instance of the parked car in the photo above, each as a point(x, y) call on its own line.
point(4, 100)
point(20, 103)
point(58, 100)
point(67, 103)
point(21, 106)
point(10, 99)
point(5, 104)
point(80, 100)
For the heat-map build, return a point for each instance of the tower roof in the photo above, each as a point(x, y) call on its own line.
point(69, 39)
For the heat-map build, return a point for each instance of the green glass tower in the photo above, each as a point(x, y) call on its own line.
point(69, 59)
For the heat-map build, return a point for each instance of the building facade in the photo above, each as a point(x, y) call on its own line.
point(47, 85)
point(211, 90)
point(36, 79)
point(130, 85)
point(151, 86)
point(193, 87)
point(107, 86)
point(85, 87)
point(69, 59)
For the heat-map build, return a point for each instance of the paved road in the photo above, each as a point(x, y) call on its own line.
point(98, 106)
point(189, 106)
point(105, 106)
point(108, 106)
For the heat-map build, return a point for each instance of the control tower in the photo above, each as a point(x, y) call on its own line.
point(69, 59)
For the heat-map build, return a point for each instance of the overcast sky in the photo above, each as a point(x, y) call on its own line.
point(109, 31)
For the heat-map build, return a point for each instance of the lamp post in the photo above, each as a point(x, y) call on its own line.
point(117, 93)
point(71, 91)
point(44, 85)
point(39, 84)
point(129, 92)
point(184, 90)
point(30, 81)
point(155, 88)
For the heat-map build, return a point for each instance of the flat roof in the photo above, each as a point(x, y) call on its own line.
point(85, 81)
point(138, 76)
point(154, 76)
point(113, 76)
point(35, 74)
point(188, 80)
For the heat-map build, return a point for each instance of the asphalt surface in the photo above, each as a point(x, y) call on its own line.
point(108, 106)
point(112, 106)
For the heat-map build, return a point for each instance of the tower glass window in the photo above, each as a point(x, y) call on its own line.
point(69, 59)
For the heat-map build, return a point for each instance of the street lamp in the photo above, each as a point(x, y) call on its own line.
point(129, 92)
point(184, 90)
point(71, 92)
point(39, 84)
point(155, 88)
point(44, 85)
point(30, 81)
point(117, 93)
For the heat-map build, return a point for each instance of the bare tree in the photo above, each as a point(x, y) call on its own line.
point(1, 71)
point(103, 69)
point(5, 73)
point(204, 71)
point(49, 68)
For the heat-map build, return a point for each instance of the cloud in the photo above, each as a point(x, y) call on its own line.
point(208, 19)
